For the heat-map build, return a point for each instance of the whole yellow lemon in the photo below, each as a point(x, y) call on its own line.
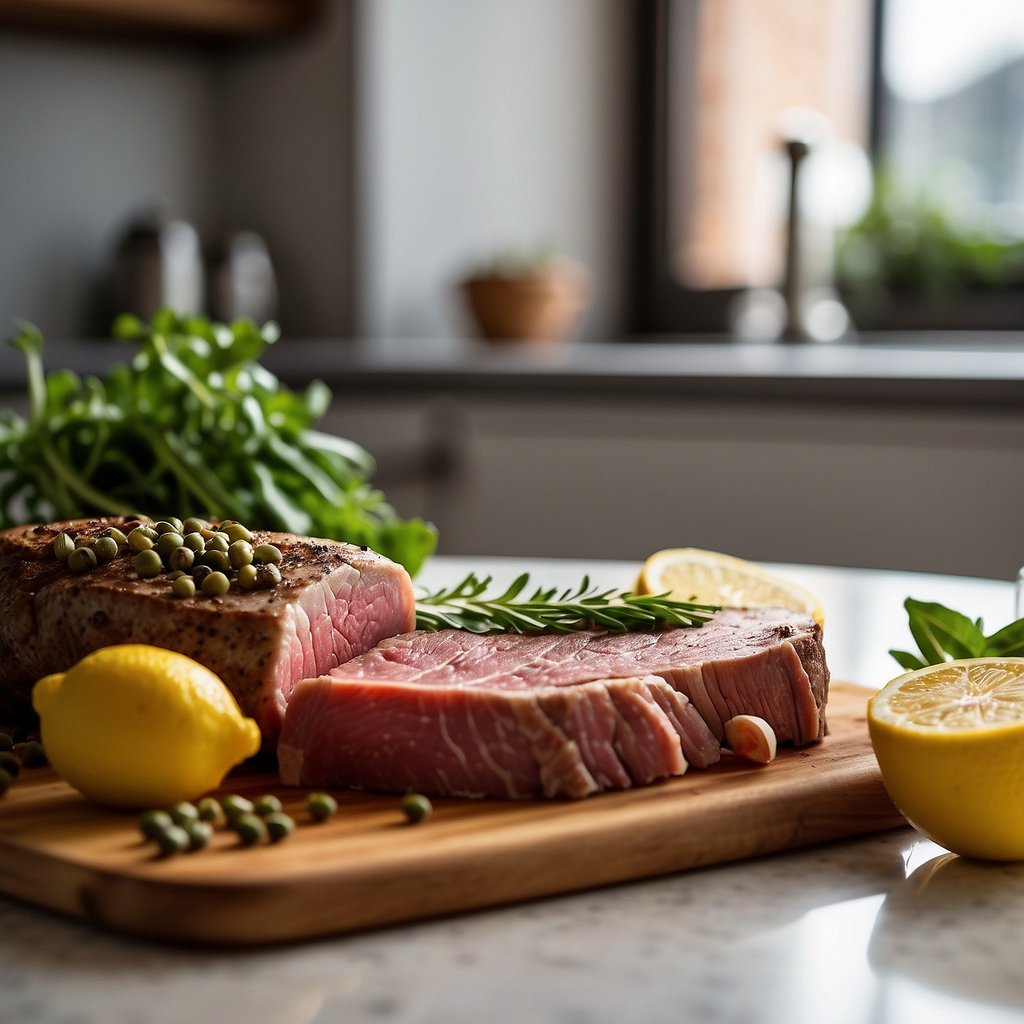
point(137, 726)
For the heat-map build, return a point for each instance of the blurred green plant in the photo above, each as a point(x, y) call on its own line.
point(908, 244)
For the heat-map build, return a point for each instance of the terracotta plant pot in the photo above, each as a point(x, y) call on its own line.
point(542, 304)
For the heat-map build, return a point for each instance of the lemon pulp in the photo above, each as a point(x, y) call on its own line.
point(949, 740)
point(711, 577)
point(137, 726)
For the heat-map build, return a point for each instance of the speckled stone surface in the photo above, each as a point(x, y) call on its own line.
point(886, 930)
point(878, 930)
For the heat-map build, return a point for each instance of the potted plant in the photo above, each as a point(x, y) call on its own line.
point(526, 298)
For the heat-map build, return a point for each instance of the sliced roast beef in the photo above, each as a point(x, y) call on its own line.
point(335, 601)
point(508, 716)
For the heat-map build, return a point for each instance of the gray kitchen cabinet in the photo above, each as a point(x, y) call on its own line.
point(932, 489)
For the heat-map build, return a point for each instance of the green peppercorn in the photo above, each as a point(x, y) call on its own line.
point(141, 538)
point(164, 527)
point(210, 811)
point(105, 549)
point(240, 553)
point(63, 545)
point(235, 805)
point(152, 823)
point(6, 741)
point(33, 755)
point(148, 564)
point(246, 577)
point(194, 542)
point(115, 535)
point(184, 586)
point(185, 811)
point(267, 576)
point(6, 779)
point(279, 826)
point(218, 542)
point(250, 828)
point(199, 834)
point(181, 558)
point(218, 561)
point(10, 764)
point(216, 584)
point(168, 542)
point(416, 807)
point(178, 525)
point(193, 525)
point(237, 532)
point(199, 573)
point(82, 560)
point(321, 806)
point(267, 804)
point(268, 554)
point(172, 840)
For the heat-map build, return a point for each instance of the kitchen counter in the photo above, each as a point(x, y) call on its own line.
point(885, 930)
point(985, 369)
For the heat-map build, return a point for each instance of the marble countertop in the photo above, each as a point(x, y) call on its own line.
point(871, 931)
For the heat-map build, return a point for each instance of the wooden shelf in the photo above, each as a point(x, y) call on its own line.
point(211, 19)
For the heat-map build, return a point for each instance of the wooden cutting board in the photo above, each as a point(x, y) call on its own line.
point(367, 867)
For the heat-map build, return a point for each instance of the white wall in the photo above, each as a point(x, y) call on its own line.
point(284, 166)
point(484, 125)
point(254, 135)
point(90, 132)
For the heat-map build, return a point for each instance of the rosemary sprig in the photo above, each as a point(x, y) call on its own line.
point(466, 606)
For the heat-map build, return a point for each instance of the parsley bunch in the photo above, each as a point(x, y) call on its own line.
point(193, 422)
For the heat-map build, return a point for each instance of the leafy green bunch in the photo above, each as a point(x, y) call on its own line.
point(942, 635)
point(193, 424)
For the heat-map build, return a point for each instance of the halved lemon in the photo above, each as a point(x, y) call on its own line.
point(950, 742)
point(710, 577)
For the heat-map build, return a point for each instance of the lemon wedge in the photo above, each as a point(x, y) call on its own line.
point(950, 743)
point(137, 726)
point(710, 577)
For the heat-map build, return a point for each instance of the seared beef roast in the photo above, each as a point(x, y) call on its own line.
point(334, 601)
point(454, 713)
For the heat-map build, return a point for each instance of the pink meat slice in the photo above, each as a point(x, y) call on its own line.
point(513, 717)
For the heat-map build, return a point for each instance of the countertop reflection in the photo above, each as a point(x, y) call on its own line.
point(884, 930)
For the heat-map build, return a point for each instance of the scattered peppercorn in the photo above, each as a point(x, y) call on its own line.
point(321, 806)
point(199, 834)
point(210, 811)
point(32, 754)
point(10, 764)
point(172, 840)
point(235, 805)
point(279, 826)
point(251, 828)
point(184, 812)
point(267, 804)
point(152, 823)
point(416, 807)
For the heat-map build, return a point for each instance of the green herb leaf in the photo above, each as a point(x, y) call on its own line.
point(907, 660)
point(1008, 642)
point(466, 606)
point(942, 633)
